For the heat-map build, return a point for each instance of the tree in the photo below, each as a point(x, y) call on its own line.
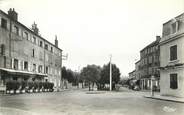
point(70, 76)
point(105, 75)
point(91, 74)
point(64, 73)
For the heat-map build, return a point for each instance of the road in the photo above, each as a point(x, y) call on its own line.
point(82, 102)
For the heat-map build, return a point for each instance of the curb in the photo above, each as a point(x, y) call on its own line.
point(157, 98)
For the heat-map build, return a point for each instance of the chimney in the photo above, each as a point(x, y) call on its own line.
point(35, 28)
point(56, 41)
point(158, 38)
point(13, 14)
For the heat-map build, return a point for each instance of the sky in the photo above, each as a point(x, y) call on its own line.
point(89, 31)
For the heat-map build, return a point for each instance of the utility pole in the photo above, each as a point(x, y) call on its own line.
point(110, 74)
point(63, 57)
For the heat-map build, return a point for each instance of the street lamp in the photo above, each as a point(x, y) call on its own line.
point(110, 74)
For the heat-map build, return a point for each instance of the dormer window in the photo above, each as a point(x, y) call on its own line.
point(34, 39)
point(175, 26)
point(174, 29)
point(25, 35)
point(16, 30)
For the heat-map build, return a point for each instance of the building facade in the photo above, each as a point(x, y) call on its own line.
point(149, 64)
point(137, 70)
point(172, 57)
point(25, 55)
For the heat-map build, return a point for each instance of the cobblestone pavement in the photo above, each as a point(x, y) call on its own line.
point(83, 102)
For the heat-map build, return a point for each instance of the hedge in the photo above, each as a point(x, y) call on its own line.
point(16, 85)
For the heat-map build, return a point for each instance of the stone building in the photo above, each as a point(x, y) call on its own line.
point(137, 70)
point(149, 64)
point(172, 57)
point(25, 55)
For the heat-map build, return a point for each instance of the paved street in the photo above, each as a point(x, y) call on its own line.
point(82, 102)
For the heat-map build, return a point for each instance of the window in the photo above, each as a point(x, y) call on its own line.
point(166, 31)
point(47, 69)
point(174, 28)
point(46, 46)
point(15, 65)
point(34, 39)
point(179, 24)
point(34, 67)
point(4, 23)
point(2, 49)
point(173, 81)
point(40, 69)
point(173, 53)
point(25, 65)
point(33, 53)
point(52, 49)
point(16, 30)
point(41, 44)
point(150, 59)
point(25, 35)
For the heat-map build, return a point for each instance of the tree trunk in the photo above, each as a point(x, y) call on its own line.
point(82, 85)
point(89, 86)
point(93, 86)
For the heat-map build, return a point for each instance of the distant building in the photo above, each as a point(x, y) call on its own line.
point(132, 74)
point(149, 64)
point(172, 57)
point(25, 55)
point(137, 70)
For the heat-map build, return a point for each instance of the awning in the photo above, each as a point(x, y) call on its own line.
point(19, 72)
point(41, 74)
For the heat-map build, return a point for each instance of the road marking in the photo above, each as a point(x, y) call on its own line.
point(169, 109)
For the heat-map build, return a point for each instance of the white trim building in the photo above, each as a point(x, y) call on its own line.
point(172, 57)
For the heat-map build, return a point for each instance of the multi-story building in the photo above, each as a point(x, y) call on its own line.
point(172, 57)
point(149, 64)
point(132, 74)
point(137, 70)
point(25, 55)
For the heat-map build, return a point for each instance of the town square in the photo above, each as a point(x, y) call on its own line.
point(83, 57)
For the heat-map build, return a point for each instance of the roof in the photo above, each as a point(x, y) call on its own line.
point(132, 72)
point(156, 42)
point(29, 30)
point(172, 19)
point(137, 61)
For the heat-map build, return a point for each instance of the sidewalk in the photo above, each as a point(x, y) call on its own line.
point(147, 94)
point(166, 98)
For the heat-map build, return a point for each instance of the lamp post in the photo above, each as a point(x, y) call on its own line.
point(110, 74)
